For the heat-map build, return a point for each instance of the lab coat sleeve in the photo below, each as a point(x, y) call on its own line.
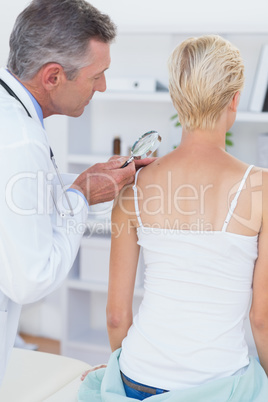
point(37, 246)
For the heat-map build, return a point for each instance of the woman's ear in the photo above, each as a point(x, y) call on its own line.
point(235, 102)
point(52, 76)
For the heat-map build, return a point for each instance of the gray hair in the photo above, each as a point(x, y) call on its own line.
point(56, 31)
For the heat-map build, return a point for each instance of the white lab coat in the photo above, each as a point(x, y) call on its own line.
point(37, 245)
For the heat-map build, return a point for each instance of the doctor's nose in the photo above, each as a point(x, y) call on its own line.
point(101, 86)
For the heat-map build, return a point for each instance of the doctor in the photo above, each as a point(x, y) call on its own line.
point(59, 52)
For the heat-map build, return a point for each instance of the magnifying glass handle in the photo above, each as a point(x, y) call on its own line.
point(128, 162)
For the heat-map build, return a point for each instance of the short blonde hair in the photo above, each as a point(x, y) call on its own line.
point(204, 75)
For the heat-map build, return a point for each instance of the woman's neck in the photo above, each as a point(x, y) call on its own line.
point(214, 138)
point(206, 138)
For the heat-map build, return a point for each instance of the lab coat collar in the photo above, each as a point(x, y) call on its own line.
point(20, 92)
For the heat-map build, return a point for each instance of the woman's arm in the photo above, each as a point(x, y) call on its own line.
point(259, 308)
point(123, 265)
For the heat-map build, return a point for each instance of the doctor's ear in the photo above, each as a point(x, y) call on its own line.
point(52, 75)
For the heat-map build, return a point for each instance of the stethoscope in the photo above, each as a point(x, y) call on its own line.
point(12, 93)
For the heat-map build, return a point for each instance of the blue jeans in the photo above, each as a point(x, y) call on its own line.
point(140, 395)
point(137, 394)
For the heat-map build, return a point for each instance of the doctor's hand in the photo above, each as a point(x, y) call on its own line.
point(143, 162)
point(102, 182)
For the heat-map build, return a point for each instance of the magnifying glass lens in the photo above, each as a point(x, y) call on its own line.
point(144, 146)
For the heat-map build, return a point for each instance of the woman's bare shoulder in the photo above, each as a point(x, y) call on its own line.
point(150, 172)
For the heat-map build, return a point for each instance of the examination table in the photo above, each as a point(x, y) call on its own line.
point(41, 377)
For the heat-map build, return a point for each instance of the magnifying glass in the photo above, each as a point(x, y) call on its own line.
point(144, 146)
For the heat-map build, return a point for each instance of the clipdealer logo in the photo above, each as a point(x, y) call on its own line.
point(37, 193)
point(38, 200)
point(31, 204)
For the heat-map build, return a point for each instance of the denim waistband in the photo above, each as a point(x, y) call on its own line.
point(141, 387)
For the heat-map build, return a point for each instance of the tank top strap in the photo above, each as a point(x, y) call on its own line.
point(234, 202)
point(136, 197)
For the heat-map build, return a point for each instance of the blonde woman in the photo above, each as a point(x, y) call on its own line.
point(201, 218)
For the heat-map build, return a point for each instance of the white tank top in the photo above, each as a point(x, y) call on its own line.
point(189, 328)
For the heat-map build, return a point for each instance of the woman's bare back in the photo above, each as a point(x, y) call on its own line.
point(193, 189)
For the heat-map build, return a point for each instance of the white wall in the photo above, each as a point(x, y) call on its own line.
point(9, 11)
point(190, 15)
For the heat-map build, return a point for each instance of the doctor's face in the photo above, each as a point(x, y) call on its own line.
point(72, 96)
